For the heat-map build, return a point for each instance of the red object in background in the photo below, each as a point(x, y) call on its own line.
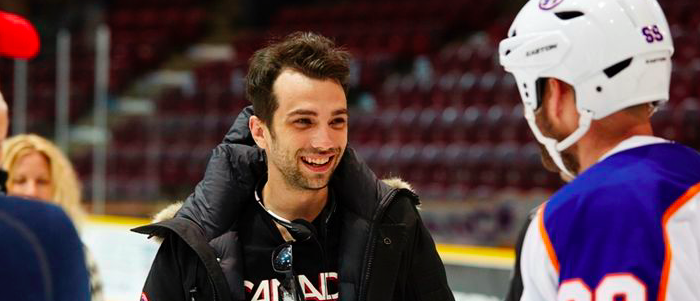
point(18, 38)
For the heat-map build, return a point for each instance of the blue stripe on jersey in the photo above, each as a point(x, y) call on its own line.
point(609, 219)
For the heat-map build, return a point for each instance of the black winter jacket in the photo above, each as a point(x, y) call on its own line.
point(385, 251)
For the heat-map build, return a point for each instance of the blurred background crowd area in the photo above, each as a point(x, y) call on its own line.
point(429, 101)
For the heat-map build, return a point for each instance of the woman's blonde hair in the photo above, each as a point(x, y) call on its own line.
point(64, 180)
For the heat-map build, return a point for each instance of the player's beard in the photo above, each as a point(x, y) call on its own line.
point(567, 155)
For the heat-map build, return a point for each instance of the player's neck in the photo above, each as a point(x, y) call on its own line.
point(293, 203)
point(599, 141)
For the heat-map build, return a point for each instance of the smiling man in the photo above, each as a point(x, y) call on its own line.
point(305, 143)
point(285, 211)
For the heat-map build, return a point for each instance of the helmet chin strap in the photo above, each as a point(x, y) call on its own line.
point(554, 147)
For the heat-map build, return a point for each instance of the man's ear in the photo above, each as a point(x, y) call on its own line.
point(554, 99)
point(257, 130)
point(564, 99)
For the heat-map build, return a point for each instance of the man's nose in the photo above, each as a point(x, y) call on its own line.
point(322, 138)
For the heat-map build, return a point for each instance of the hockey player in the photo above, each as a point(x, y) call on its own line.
point(590, 74)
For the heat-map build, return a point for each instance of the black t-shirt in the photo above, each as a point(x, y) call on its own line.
point(315, 261)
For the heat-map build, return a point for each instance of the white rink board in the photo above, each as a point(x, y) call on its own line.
point(123, 257)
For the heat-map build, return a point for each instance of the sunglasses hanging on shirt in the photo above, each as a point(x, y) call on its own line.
point(282, 258)
point(288, 289)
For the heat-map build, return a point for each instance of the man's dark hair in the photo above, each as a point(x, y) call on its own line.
point(311, 54)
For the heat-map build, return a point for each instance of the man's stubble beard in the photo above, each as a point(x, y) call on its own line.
point(567, 155)
point(288, 166)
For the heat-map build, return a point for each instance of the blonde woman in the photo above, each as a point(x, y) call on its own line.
point(37, 169)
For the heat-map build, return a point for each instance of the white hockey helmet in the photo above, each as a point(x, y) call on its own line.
point(615, 54)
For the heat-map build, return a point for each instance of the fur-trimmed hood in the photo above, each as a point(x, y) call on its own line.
point(167, 213)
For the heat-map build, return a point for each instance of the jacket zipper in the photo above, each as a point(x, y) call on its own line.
point(193, 293)
point(369, 252)
point(326, 264)
point(194, 290)
point(213, 287)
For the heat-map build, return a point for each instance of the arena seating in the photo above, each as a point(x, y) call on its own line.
point(442, 113)
point(143, 34)
point(430, 102)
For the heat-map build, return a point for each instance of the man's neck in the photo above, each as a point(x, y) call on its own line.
point(293, 203)
point(597, 143)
